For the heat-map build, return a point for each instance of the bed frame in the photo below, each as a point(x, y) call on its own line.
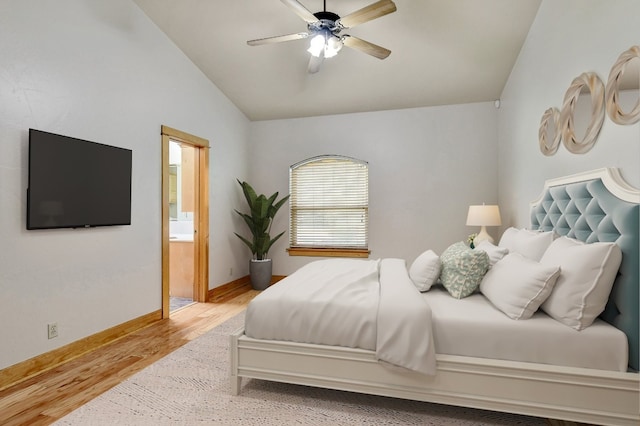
point(574, 394)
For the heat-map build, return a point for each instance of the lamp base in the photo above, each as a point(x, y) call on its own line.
point(482, 236)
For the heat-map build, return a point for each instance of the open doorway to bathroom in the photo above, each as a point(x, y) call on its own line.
point(182, 181)
point(185, 213)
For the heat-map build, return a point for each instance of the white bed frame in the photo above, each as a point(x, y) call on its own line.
point(564, 393)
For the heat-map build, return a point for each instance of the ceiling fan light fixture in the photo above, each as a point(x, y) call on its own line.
point(317, 45)
point(333, 46)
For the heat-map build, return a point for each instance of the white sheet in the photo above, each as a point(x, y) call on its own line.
point(404, 321)
point(337, 302)
point(474, 327)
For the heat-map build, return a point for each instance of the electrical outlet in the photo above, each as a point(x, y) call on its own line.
point(52, 330)
point(230, 271)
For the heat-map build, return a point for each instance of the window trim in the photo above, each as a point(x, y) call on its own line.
point(328, 252)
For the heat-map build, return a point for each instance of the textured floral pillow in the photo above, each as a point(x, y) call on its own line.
point(462, 269)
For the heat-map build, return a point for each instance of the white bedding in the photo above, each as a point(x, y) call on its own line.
point(337, 302)
point(474, 327)
point(331, 302)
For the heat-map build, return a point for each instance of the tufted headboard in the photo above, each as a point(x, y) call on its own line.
point(600, 206)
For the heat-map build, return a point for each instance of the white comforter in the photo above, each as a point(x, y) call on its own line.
point(367, 304)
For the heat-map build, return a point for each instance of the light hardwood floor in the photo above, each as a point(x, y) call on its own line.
point(45, 398)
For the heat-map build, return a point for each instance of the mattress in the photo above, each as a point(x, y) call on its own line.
point(474, 327)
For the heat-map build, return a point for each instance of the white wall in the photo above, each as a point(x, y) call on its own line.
point(426, 166)
point(567, 38)
point(99, 71)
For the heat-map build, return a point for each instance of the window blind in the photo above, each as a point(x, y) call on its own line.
point(329, 203)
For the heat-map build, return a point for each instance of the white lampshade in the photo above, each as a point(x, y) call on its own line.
point(325, 42)
point(483, 216)
point(317, 45)
point(333, 46)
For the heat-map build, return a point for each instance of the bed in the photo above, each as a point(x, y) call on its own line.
point(592, 207)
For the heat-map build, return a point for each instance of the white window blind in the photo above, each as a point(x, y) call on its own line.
point(329, 203)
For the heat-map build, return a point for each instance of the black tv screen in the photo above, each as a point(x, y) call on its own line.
point(75, 183)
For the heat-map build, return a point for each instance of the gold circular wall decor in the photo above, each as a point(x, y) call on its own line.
point(590, 81)
point(614, 110)
point(549, 133)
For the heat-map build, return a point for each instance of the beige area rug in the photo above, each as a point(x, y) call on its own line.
point(190, 386)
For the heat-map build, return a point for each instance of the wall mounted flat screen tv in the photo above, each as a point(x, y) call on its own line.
point(75, 183)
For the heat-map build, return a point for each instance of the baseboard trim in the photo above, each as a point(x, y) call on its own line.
point(232, 288)
point(49, 360)
point(276, 278)
point(227, 290)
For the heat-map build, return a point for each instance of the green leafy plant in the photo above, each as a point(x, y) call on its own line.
point(262, 212)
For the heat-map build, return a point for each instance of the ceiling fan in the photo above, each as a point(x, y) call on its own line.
point(325, 27)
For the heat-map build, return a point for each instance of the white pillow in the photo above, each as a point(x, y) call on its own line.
point(508, 239)
point(495, 253)
point(425, 270)
point(585, 281)
point(531, 244)
point(518, 286)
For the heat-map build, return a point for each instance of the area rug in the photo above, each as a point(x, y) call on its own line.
point(190, 386)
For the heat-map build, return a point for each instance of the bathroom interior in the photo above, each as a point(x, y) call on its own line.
point(181, 210)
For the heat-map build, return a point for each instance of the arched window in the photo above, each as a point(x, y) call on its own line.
point(329, 207)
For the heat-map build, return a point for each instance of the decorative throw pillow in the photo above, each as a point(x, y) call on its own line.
point(587, 272)
point(425, 270)
point(495, 253)
point(518, 286)
point(462, 269)
point(531, 244)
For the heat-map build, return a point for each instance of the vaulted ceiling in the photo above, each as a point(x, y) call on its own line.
point(443, 52)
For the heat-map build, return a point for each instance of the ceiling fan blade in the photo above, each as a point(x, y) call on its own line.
point(300, 10)
point(366, 47)
point(373, 11)
point(277, 39)
point(315, 62)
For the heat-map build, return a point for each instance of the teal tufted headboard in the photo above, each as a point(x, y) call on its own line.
point(600, 206)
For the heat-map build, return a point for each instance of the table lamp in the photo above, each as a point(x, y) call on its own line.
point(483, 216)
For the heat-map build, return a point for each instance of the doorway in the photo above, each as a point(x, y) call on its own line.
point(185, 219)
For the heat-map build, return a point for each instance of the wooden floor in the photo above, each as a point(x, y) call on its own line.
point(45, 398)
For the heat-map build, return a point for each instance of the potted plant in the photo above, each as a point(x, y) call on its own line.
point(259, 220)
